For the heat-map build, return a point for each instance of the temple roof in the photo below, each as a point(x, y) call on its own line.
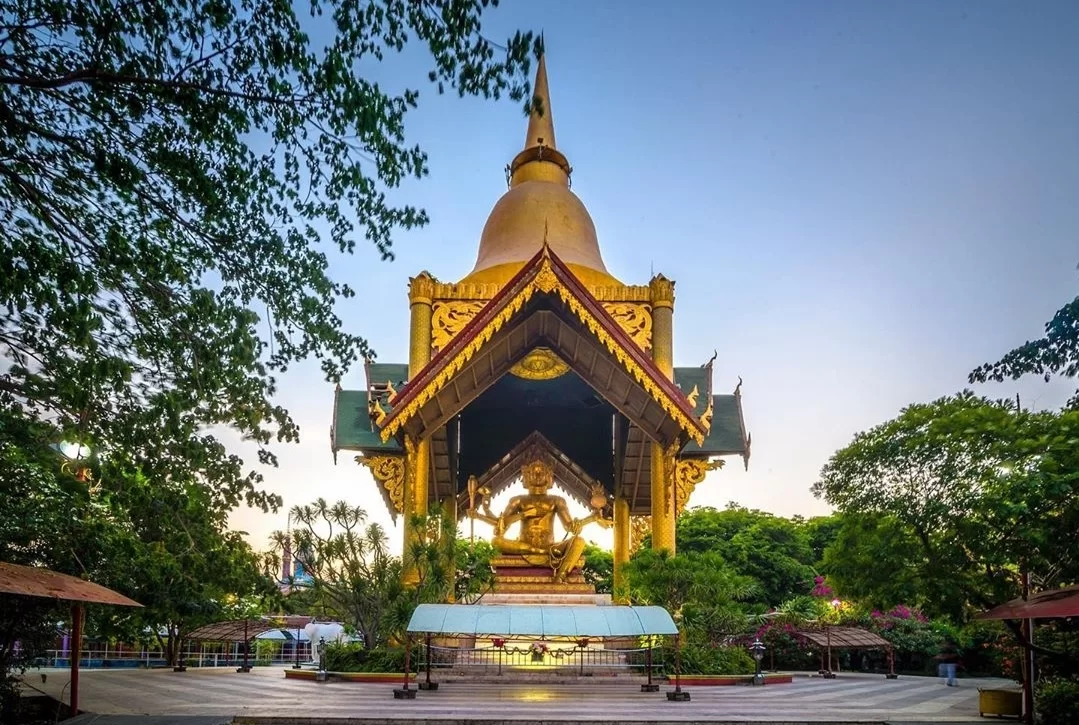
point(634, 384)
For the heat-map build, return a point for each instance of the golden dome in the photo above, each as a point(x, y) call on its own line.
point(539, 207)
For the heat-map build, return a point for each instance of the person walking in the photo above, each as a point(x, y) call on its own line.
point(948, 660)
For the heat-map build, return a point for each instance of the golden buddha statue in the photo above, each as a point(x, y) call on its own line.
point(536, 511)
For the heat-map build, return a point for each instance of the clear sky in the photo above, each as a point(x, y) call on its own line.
point(860, 202)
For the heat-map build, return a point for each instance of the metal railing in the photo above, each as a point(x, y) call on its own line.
point(553, 657)
point(190, 656)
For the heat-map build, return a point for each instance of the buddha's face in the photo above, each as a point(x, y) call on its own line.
point(537, 478)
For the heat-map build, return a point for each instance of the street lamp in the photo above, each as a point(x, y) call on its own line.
point(320, 648)
point(757, 649)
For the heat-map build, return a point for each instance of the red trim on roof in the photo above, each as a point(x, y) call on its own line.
point(495, 305)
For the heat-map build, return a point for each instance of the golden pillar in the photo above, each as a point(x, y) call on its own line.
point(662, 500)
point(661, 292)
point(418, 452)
point(449, 544)
point(621, 548)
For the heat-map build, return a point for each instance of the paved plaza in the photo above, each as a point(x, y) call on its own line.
point(264, 695)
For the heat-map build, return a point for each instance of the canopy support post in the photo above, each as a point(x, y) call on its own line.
point(649, 686)
point(427, 684)
point(678, 695)
point(891, 664)
point(405, 692)
point(76, 654)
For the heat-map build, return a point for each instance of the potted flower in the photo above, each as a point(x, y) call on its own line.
point(583, 643)
point(498, 642)
point(539, 649)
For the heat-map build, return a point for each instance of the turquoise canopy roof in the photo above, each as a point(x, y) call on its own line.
point(540, 620)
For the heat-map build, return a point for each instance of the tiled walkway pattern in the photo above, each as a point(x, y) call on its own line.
point(265, 692)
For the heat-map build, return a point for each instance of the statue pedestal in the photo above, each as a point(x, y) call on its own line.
point(551, 597)
point(528, 575)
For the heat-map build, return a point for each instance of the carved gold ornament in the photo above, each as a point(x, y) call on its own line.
point(670, 473)
point(639, 527)
point(389, 473)
point(635, 319)
point(545, 280)
point(448, 318)
point(688, 473)
point(706, 416)
point(540, 364)
point(692, 397)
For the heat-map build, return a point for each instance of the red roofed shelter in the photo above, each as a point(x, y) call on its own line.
point(30, 581)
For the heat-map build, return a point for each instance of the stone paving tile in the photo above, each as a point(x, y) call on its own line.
point(264, 694)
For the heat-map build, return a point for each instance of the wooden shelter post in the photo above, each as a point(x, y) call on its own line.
point(247, 646)
point(77, 612)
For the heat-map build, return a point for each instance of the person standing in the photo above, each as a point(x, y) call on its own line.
point(948, 660)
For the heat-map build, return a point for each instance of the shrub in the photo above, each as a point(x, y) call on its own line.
point(703, 659)
point(354, 658)
point(1056, 702)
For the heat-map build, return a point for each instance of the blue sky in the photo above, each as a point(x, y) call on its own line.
point(860, 202)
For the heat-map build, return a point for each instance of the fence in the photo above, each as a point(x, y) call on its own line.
point(99, 656)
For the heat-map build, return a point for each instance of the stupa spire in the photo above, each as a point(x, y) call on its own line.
point(540, 120)
point(540, 160)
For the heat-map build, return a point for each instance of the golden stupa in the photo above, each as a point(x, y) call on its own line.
point(539, 206)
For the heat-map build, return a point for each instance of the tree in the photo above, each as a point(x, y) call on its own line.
point(1057, 353)
point(973, 491)
point(875, 560)
point(354, 575)
point(772, 550)
point(172, 175)
point(181, 563)
point(474, 576)
point(599, 568)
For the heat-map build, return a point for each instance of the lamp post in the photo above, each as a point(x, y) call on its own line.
point(320, 648)
point(296, 650)
point(757, 649)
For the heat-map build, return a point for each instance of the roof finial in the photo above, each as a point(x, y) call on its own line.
point(540, 160)
point(540, 120)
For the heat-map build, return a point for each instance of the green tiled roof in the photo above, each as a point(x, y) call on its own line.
point(352, 427)
point(727, 434)
point(381, 373)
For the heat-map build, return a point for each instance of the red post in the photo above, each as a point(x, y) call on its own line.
point(247, 646)
point(76, 654)
point(828, 635)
